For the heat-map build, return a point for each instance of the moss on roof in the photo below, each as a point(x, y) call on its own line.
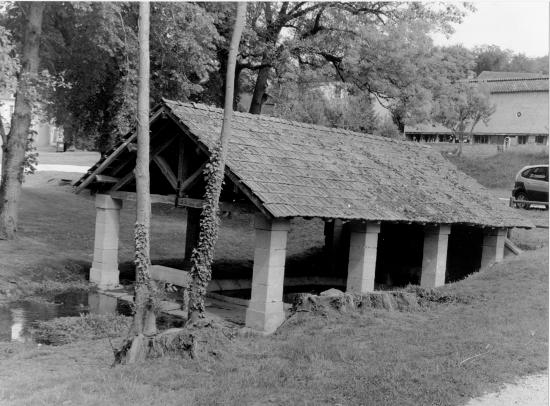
point(302, 170)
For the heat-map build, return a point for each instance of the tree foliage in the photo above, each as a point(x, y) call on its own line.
point(330, 105)
point(93, 46)
point(463, 105)
point(494, 58)
point(325, 37)
point(381, 51)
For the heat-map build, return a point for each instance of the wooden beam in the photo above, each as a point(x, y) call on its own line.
point(130, 175)
point(106, 179)
point(191, 180)
point(246, 191)
point(112, 157)
point(105, 163)
point(240, 207)
point(132, 147)
point(181, 161)
point(127, 178)
point(188, 202)
point(131, 196)
point(166, 171)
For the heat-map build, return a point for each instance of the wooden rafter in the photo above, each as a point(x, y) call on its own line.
point(242, 187)
point(130, 175)
point(166, 171)
point(112, 156)
point(106, 179)
point(192, 180)
point(132, 147)
point(181, 162)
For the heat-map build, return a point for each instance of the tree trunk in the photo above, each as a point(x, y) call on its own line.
point(144, 323)
point(201, 259)
point(4, 139)
point(258, 97)
point(13, 156)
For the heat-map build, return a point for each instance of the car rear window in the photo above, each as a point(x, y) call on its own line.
point(526, 172)
point(539, 173)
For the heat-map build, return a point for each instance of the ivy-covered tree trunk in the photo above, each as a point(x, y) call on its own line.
point(15, 142)
point(144, 322)
point(201, 259)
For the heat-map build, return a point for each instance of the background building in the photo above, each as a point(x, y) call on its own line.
point(46, 133)
point(521, 113)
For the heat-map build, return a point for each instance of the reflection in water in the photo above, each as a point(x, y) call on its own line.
point(16, 318)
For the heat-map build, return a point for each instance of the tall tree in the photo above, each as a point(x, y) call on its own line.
point(144, 322)
point(321, 34)
point(93, 46)
point(203, 254)
point(491, 58)
point(9, 66)
point(463, 105)
point(16, 140)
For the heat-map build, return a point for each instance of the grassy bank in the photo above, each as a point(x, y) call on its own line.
point(499, 169)
point(441, 357)
point(56, 231)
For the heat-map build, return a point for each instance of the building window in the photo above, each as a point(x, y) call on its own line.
point(540, 139)
point(481, 139)
point(522, 139)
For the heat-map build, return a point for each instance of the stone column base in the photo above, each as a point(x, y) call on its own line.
point(265, 317)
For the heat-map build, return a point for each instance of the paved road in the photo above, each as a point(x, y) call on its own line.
point(62, 168)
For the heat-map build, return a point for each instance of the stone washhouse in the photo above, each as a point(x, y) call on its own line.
point(382, 201)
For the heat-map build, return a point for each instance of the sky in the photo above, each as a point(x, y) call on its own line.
point(521, 26)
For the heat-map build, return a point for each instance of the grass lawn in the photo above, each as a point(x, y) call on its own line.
point(499, 170)
point(378, 357)
point(495, 332)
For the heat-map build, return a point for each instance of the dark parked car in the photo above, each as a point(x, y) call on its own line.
point(531, 184)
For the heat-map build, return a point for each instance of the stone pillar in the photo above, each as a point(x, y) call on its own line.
point(265, 311)
point(493, 246)
point(104, 272)
point(434, 260)
point(191, 233)
point(363, 245)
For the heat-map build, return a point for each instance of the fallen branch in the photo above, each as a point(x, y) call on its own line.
point(476, 356)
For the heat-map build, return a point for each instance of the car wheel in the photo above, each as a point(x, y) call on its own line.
point(522, 196)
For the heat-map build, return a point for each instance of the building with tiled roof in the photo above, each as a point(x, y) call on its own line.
point(359, 185)
point(521, 114)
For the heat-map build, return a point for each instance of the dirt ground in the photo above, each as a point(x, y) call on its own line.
point(531, 391)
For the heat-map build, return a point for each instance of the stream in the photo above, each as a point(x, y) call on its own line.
point(17, 317)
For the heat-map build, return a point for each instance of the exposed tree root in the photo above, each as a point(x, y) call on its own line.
point(203, 338)
point(139, 348)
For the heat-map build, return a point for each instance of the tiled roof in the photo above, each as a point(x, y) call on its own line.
point(515, 85)
point(489, 74)
point(303, 170)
